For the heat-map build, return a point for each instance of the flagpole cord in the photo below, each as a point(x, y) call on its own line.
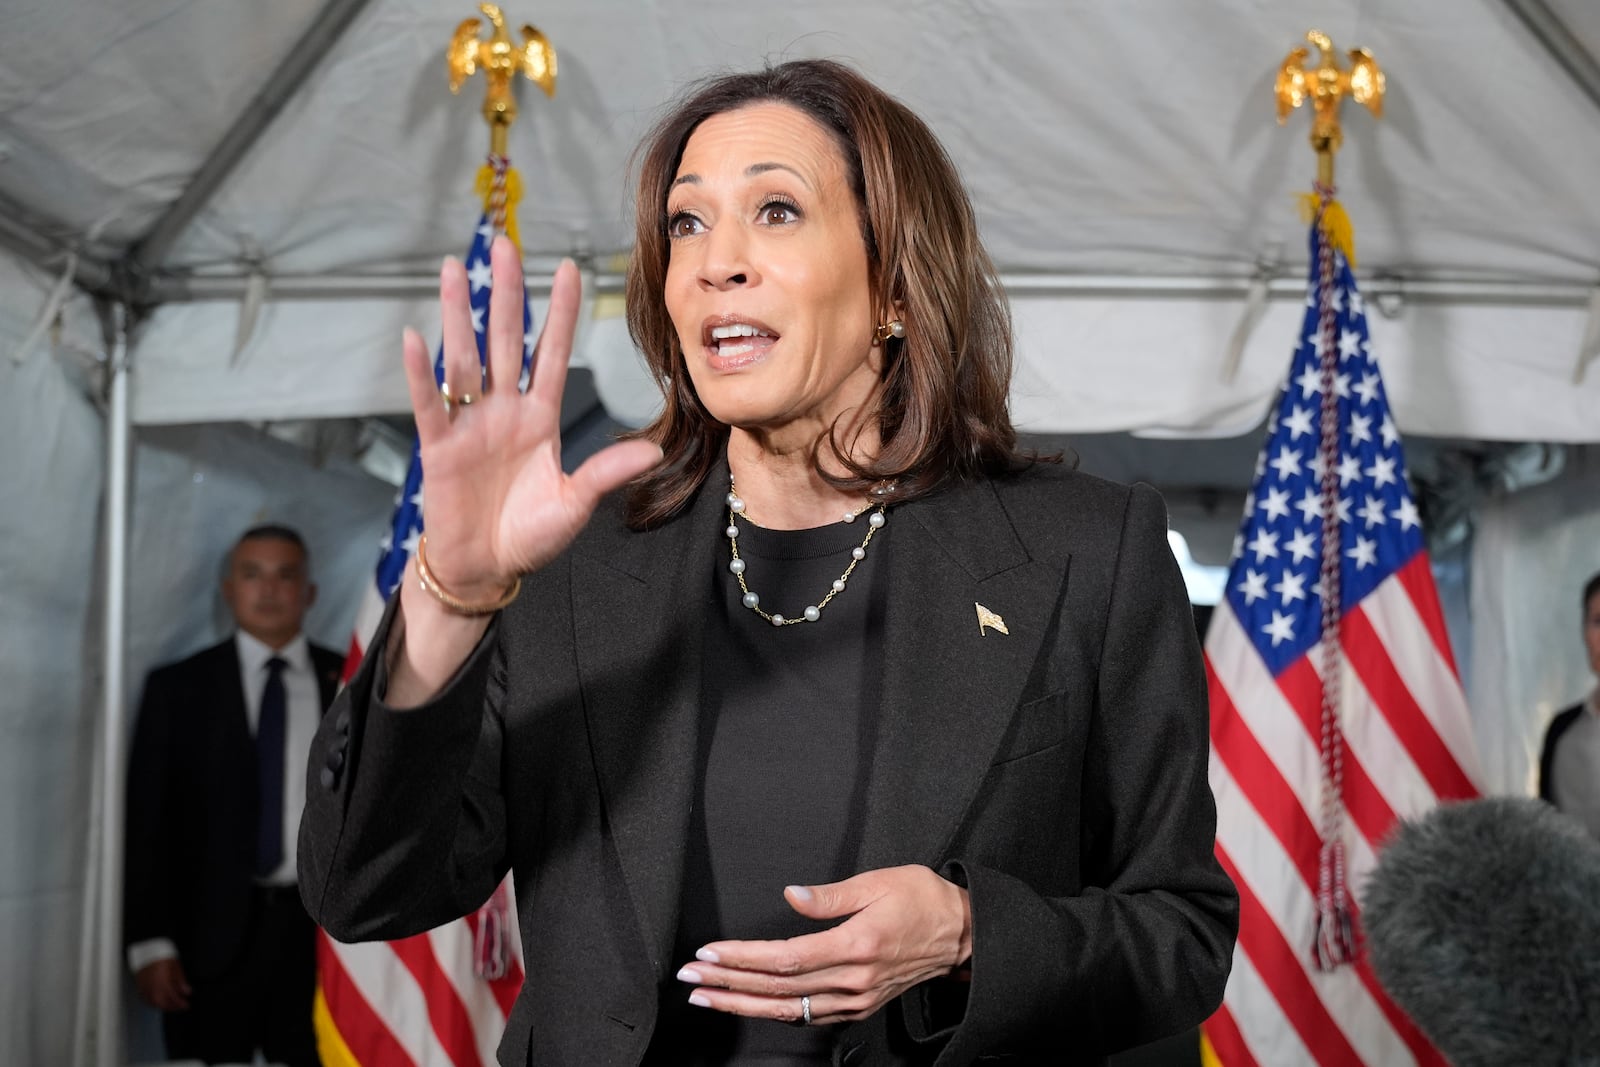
point(1333, 942)
point(492, 929)
point(496, 206)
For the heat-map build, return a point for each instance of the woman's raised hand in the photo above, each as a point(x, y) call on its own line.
point(496, 502)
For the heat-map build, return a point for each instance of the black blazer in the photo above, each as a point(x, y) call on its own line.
point(1059, 773)
point(1547, 756)
point(191, 815)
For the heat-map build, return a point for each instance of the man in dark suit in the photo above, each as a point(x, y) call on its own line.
point(216, 935)
point(1569, 765)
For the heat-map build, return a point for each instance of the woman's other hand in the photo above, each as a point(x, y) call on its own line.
point(905, 926)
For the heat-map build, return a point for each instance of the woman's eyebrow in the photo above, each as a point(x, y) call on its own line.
point(762, 168)
point(751, 171)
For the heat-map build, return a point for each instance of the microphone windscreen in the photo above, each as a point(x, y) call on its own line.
point(1483, 922)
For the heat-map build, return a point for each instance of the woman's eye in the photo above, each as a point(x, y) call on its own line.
point(683, 224)
point(778, 213)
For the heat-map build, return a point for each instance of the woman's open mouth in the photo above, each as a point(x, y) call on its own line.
point(731, 343)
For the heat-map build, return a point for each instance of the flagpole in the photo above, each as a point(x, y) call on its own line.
point(1325, 86)
point(501, 188)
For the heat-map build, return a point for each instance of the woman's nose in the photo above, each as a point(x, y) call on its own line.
point(727, 263)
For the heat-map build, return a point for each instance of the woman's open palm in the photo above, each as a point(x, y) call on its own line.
point(497, 503)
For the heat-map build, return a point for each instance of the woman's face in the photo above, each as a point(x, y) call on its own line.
point(767, 280)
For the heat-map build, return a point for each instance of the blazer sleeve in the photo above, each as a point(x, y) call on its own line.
point(1145, 949)
point(147, 869)
point(404, 826)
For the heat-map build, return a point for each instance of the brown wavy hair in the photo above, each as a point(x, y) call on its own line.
point(941, 413)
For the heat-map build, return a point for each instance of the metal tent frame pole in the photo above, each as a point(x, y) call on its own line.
point(1404, 290)
point(1557, 40)
point(298, 63)
point(108, 1002)
point(84, 1001)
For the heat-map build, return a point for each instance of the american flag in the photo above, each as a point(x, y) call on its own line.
point(1290, 774)
point(439, 999)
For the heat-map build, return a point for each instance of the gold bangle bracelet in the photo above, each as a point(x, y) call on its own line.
point(455, 605)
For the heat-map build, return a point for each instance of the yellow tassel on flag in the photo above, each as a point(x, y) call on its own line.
point(484, 187)
point(1336, 225)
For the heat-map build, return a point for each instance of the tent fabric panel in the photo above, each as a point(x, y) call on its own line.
point(307, 359)
point(108, 108)
point(1531, 553)
point(1156, 366)
point(1089, 143)
point(52, 441)
point(74, 339)
point(1084, 365)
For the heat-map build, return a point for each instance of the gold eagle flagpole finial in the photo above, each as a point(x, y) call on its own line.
point(501, 60)
point(1327, 85)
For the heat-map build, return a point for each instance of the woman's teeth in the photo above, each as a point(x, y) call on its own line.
point(738, 329)
point(738, 339)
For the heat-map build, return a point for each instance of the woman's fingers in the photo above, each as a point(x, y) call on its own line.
point(427, 406)
point(462, 370)
point(555, 340)
point(611, 468)
point(506, 306)
point(845, 979)
point(825, 1008)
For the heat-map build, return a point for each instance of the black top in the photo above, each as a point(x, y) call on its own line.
point(786, 733)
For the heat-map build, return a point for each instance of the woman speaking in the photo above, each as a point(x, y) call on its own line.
point(817, 722)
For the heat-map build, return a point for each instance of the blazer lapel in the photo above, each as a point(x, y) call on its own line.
point(639, 603)
point(951, 687)
point(327, 680)
point(228, 691)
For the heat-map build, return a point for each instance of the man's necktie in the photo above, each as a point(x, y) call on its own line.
point(271, 731)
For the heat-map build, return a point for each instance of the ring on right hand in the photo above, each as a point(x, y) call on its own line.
point(451, 401)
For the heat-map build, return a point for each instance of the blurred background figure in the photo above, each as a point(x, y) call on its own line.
point(216, 935)
point(1569, 765)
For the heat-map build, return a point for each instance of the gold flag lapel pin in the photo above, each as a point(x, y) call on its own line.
point(988, 620)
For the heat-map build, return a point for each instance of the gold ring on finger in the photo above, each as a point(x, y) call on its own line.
point(466, 400)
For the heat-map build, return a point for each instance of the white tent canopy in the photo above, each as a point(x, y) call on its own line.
point(271, 187)
point(1129, 181)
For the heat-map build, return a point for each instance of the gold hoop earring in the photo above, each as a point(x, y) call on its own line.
point(893, 328)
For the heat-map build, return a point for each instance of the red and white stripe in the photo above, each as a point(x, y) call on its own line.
point(418, 1002)
point(1409, 746)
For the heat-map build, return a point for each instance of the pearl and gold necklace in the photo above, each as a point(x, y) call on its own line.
point(812, 612)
